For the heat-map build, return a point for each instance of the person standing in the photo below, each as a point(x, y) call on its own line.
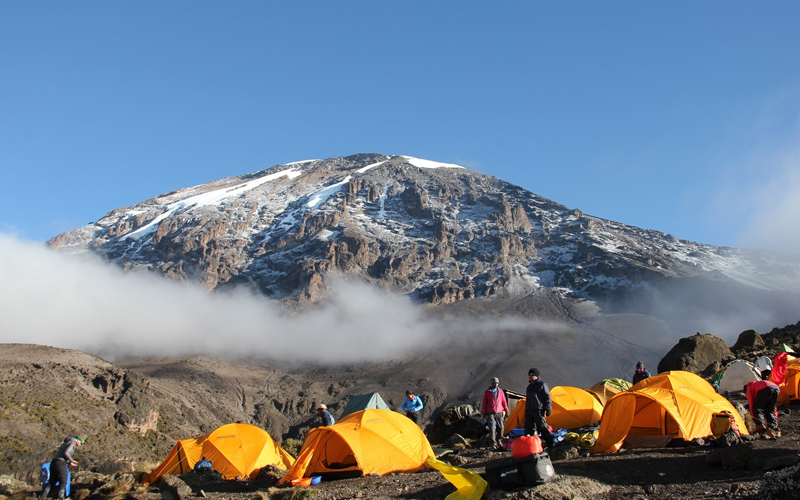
point(538, 406)
point(325, 416)
point(640, 373)
point(762, 396)
point(494, 410)
point(58, 465)
point(412, 404)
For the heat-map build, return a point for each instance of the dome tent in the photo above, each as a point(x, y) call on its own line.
point(364, 402)
point(365, 442)
point(235, 450)
point(608, 388)
point(572, 408)
point(732, 377)
point(674, 404)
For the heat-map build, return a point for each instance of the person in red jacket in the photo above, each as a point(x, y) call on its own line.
point(762, 396)
point(494, 410)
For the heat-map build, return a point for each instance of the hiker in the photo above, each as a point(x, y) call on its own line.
point(203, 465)
point(762, 396)
point(411, 405)
point(58, 465)
point(325, 416)
point(538, 406)
point(640, 373)
point(494, 410)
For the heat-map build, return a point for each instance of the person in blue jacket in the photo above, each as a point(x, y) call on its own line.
point(412, 404)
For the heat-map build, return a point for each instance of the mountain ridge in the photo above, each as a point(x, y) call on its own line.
point(439, 233)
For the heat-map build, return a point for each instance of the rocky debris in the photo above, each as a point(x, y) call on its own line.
point(456, 420)
point(734, 457)
point(565, 452)
point(10, 485)
point(699, 354)
point(173, 488)
point(781, 485)
point(562, 487)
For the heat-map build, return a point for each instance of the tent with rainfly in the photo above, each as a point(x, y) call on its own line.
point(372, 400)
point(365, 442)
point(572, 408)
point(734, 376)
point(608, 388)
point(674, 404)
point(235, 450)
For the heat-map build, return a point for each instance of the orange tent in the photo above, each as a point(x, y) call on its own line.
point(673, 404)
point(572, 408)
point(235, 450)
point(365, 442)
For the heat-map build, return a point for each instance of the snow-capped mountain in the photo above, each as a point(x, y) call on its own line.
point(439, 232)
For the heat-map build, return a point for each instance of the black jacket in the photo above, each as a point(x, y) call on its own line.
point(537, 397)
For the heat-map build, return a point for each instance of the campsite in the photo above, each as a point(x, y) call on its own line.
point(654, 442)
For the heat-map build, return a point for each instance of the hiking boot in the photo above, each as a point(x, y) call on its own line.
point(773, 433)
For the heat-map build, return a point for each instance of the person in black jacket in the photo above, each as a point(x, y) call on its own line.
point(538, 406)
point(58, 465)
point(640, 373)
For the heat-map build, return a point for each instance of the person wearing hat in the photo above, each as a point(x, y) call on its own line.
point(325, 416)
point(640, 373)
point(538, 406)
point(494, 410)
point(58, 465)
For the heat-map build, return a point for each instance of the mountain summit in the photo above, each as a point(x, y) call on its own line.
point(437, 232)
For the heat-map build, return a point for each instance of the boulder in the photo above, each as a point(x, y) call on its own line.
point(748, 340)
point(695, 354)
point(173, 488)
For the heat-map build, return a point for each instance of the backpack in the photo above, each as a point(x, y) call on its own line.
point(723, 422)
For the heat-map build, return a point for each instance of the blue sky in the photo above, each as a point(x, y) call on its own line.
point(678, 116)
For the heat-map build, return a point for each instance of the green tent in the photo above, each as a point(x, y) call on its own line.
point(372, 400)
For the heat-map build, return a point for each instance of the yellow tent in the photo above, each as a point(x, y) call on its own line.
point(365, 442)
point(235, 450)
point(572, 408)
point(608, 388)
point(677, 404)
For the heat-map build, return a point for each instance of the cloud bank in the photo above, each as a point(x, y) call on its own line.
point(80, 302)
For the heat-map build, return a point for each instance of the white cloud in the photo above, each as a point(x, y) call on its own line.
point(82, 303)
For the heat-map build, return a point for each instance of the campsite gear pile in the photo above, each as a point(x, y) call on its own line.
point(530, 465)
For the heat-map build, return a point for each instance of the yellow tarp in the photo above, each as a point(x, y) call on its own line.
point(572, 408)
point(470, 486)
point(235, 450)
point(674, 403)
point(371, 441)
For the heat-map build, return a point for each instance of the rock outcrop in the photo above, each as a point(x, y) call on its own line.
point(700, 353)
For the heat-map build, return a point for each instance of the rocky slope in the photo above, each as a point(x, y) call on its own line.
point(437, 232)
point(134, 411)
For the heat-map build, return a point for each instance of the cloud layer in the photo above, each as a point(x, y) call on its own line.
point(80, 302)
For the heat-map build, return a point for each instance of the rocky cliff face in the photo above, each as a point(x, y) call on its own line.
point(438, 232)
